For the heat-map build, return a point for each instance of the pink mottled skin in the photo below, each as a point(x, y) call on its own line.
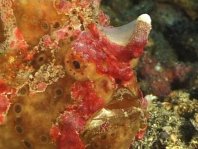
point(4, 105)
point(90, 45)
point(110, 59)
point(116, 57)
point(5, 90)
point(18, 42)
point(75, 116)
point(140, 134)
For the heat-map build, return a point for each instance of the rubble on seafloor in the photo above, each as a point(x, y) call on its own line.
point(172, 124)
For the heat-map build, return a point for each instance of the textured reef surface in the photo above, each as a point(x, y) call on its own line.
point(67, 77)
